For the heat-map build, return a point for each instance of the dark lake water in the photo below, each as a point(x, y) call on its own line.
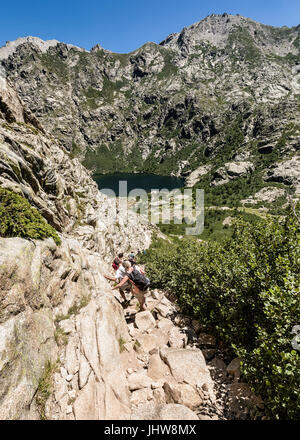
point(143, 181)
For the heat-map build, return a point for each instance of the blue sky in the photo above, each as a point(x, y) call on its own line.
point(124, 25)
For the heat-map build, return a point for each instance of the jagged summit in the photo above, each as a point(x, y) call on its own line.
point(11, 46)
point(215, 29)
point(218, 31)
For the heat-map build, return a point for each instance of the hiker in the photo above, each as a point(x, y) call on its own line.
point(117, 261)
point(131, 259)
point(140, 283)
point(120, 274)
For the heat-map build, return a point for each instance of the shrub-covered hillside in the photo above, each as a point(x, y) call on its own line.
point(245, 291)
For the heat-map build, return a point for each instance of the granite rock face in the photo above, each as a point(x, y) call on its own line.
point(60, 324)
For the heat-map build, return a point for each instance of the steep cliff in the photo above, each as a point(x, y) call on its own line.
point(44, 283)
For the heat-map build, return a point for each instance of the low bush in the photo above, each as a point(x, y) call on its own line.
point(19, 219)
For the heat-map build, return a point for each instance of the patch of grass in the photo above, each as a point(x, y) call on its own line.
point(169, 69)
point(122, 342)
point(54, 64)
point(6, 126)
point(246, 47)
point(31, 127)
point(136, 345)
point(110, 88)
point(75, 309)
point(61, 337)
point(214, 230)
point(59, 318)
point(45, 387)
point(296, 42)
point(19, 219)
point(75, 152)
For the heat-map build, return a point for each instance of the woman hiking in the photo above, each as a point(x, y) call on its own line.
point(139, 283)
point(117, 261)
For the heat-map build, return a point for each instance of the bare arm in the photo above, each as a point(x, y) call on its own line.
point(124, 280)
point(110, 278)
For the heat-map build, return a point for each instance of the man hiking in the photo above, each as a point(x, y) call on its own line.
point(140, 283)
point(120, 274)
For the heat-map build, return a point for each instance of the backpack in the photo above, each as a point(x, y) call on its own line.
point(139, 279)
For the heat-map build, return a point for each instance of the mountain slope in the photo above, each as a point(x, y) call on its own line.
point(46, 287)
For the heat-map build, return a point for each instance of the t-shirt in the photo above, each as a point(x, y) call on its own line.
point(120, 273)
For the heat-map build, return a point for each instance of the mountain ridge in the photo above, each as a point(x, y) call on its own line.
point(37, 40)
point(203, 96)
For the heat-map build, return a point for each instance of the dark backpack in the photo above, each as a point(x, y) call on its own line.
point(139, 279)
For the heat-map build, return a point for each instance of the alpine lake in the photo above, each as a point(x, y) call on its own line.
point(146, 182)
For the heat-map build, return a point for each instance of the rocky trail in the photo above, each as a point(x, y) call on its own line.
point(160, 366)
point(90, 357)
point(176, 371)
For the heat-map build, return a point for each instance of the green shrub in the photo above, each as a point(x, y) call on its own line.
point(19, 219)
point(245, 291)
point(122, 342)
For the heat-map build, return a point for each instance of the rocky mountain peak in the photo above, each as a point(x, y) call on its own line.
point(43, 46)
point(227, 30)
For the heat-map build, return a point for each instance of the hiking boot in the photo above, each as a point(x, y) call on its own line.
point(125, 304)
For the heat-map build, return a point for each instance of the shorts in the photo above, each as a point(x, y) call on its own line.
point(125, 286)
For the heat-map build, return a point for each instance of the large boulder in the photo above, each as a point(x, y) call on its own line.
point(27, 345)
point(141, 396)
point(184, 394)
point(234, 368)
point(286, 172)
point(267, 194)
point(196, 175)
point(177, 338)
point(188, 366)
point(157, 369)
point(164, 307)
point(139, 380)
point(144, 321)
point(232, 170)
